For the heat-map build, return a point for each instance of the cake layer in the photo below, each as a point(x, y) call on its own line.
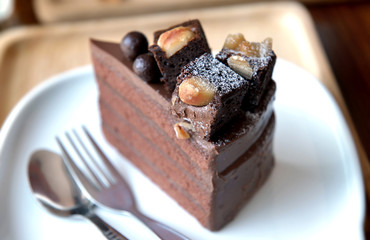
point(146, 134)
point(232, 141)
point(232, 189)
point(210, 179)
point(154, 104)
point(145, 126)
point(152, 151)
point(132, 125)
point(156, 176)
point(243, 179)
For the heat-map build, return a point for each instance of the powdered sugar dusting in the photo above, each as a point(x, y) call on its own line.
point(258, 62)
point(221, 76)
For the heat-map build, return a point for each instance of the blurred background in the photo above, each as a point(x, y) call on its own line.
point(15, 12)
point(342, 26)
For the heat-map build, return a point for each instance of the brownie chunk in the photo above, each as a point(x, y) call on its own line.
point(208, 94)
point(260, 59)
point(175, 47)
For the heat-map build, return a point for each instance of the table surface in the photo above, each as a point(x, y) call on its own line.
point(343, 29)
point(345, 36)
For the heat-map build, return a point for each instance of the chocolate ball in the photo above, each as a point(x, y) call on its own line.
point(146, 68)
point(133, 44)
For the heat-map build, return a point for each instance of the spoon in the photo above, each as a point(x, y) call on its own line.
point(54, 187)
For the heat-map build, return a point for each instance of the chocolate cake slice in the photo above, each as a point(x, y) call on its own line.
point(211, 179)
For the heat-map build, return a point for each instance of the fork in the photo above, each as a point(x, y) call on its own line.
point(114, 192)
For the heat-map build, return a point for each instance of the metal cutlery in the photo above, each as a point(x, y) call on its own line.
point(56, 190)
point(109, 189)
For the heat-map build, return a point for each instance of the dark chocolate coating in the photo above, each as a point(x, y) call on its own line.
point(133, 44)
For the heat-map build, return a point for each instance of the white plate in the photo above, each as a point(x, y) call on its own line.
point(315, 191)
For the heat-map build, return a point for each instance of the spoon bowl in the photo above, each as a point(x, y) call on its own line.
point(52, 185)
point(55, 189)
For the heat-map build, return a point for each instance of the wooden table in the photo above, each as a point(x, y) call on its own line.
point(344, 31)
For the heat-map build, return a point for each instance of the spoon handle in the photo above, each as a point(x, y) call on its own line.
point(108, 231)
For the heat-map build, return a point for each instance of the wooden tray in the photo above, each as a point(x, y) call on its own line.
point(30, 55)
point(66, 10)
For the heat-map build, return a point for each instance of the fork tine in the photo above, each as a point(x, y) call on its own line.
point(93, 160)
point(107, 162)
point(81, 176)
point(96, 179)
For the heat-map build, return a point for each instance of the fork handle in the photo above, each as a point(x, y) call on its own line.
point(108, 231)
point(162, 230)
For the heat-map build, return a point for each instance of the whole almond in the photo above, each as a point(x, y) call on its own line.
point(196, 91)
point(175, 39)
point(240, 66)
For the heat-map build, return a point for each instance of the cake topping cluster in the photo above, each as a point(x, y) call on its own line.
point(207, 92)
point(208, 95)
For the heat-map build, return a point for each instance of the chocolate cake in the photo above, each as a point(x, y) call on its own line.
point(212, 178)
